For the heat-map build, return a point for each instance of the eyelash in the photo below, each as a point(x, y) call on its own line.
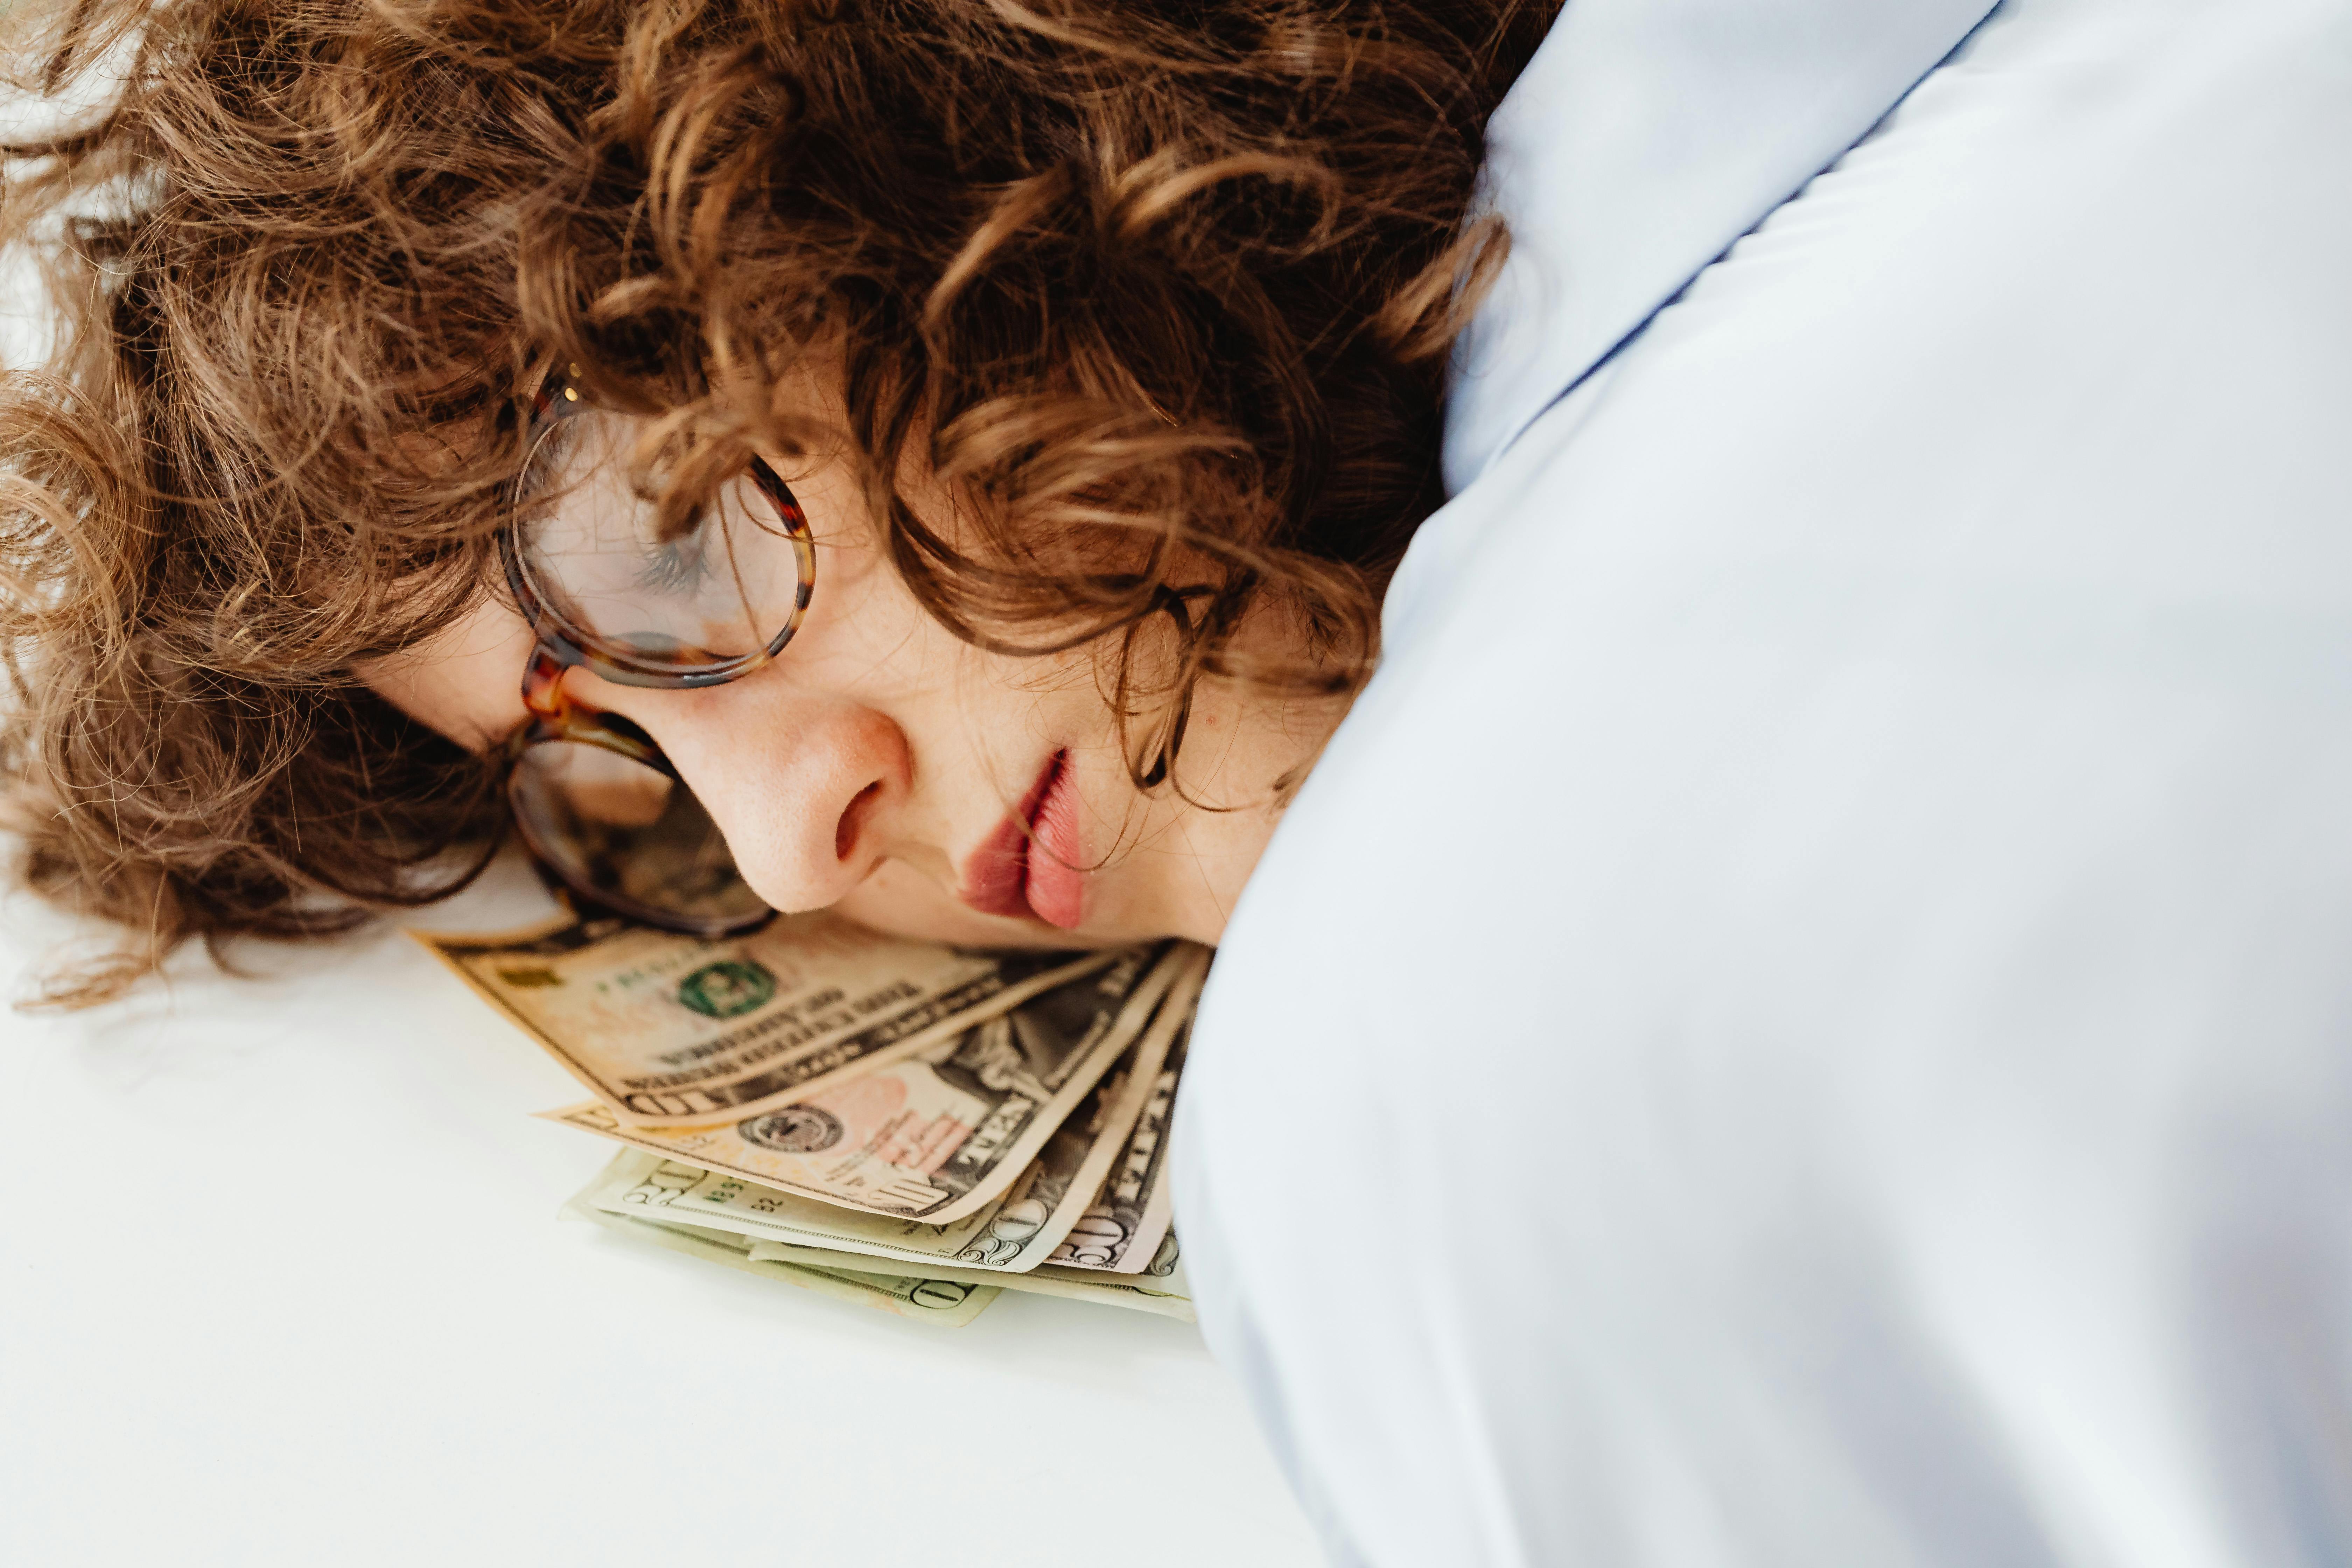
point(679, 566)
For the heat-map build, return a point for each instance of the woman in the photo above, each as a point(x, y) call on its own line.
point(1078, 369)
point(1800, 1018)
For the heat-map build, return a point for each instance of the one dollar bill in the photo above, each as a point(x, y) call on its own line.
point(948, 1294)
point(945, 1303)
point(1164, 1295)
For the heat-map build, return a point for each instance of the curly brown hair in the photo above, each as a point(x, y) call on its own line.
point(1161, 291)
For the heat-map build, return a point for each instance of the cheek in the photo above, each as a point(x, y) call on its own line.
point(464, 681)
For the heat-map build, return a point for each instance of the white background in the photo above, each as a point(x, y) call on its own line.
point(281, 1281)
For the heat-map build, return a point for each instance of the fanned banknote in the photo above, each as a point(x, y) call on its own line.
point(1121, 1229)
point(928, 1296)
point(948, 1303)
point(899, 1123)
point(664, 1028)
point(1166, 1296)
point(1013, 1233)
point(940, 1136)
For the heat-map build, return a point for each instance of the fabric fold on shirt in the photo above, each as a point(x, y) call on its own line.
point(1643, 138)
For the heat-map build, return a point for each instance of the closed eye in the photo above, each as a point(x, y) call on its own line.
point(677, 567)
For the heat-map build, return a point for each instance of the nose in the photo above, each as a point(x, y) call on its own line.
point(802, 784)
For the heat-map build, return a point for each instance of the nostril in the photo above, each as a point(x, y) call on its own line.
point(844, 832)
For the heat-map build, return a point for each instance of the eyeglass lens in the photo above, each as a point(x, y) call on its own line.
point(629, 836)
point(594, 548)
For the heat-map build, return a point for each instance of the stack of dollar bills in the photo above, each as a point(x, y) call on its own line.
point(908, 1125)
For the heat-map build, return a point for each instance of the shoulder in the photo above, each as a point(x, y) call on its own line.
point(1976, 437)
point(1850, 820)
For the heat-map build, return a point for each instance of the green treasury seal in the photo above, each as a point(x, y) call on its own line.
point(729, 986)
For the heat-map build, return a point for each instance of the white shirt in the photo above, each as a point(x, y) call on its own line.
point(1643, 138)
point(1803, 1016)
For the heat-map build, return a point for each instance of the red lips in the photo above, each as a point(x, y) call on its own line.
point(1028, 867)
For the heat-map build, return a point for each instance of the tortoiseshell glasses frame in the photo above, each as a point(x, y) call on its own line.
point(669, 869)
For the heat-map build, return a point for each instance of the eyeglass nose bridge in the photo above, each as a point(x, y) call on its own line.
point(556, 717)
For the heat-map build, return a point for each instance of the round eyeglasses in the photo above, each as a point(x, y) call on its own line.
point(608, 585)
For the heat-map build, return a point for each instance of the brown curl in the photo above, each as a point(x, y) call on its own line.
point(1159, 291)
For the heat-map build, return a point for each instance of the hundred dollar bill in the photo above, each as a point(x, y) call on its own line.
point(1014, 1233)
point(940, 1136)
point(664, 1028)
point(1121, 1229)
point(946, 1303)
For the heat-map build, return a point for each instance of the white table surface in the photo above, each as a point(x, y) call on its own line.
point(281, 1281)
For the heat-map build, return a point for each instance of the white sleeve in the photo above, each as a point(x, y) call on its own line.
point(1806, 1017)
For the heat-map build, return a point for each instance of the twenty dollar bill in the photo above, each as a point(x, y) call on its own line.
point(664, 1028)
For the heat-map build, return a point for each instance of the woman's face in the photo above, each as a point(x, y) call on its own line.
point(882, 766)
